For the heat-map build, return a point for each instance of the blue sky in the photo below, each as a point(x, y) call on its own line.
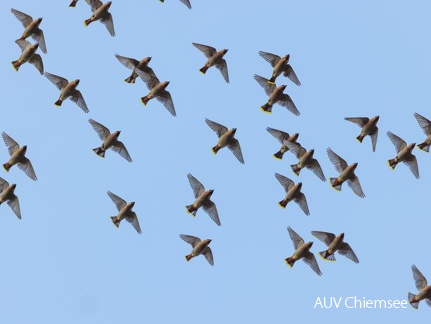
point(66, 262)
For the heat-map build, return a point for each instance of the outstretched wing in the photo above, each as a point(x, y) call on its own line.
point(193, 240)
point(119, 202)
point(296, 239)
point(339, 163)
point(325, 237)
point(197, 187)
point(58, 81)
point(216, 127)
point(270, 58)
point(207, 50)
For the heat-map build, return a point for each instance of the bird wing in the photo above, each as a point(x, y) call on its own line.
point(355, 185)
point(374, 136)
point(38, 37)
point(26, 166)
point(150, 80)
point(77, 98)
point(166, 99)
point(296, 239)
point(14, 205)
point(108, 22)
point(285, 182)
point(207, 50)
point(325, 237)
point(36, 60)
point(310, 260)
point(287, 102)
point(58, 81)
point(317, 169)
point(210, 208)
point(101, 130)
point(197, 187)
point(360, 121)
point(120, 148)
point(347, 251)
point(278, 134)
point(236, 149)
point(216, 127)
point(94, 4)
point(419, 278)
point(424, 123)
point(209, 255)
point(3, 184)
point(12, 146)
point(295, 148)
point(339, 163)
point(397, 141)
point(289, 73)
point(222, 66)
point(412, 163)
point(22, 17)
point(128, 62)
point(193, 240)
point(119, 202)
point(133, 219)
point(270, 58)
point(23, 44)
point(302, 202)
point(269, 88)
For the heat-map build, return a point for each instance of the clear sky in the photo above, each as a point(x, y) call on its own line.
point(65, 262)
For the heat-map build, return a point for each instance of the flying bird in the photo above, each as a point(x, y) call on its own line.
point(203, 199)
point(293, 192)
point(425, 124)
point(17, 156)
point(305, 160)
point(281, 137)
point(28, 54)
point(68, 90)
point(214, 59)
point(110, 141)
point(31, 28)
point(7, 194)
point(347, 173)
point(421, 285)
point(226, 138)
point(369, 127)
point(275, 95)
point(334, 244)
point(280, 65)
point(404, 154)
point(186, 2)
point(100, 12)
point(124, 212)
point(302, 251)
point(134, 65)
point(199, 247)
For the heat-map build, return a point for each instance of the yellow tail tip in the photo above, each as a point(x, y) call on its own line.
point(285, 260)
point(265, 111)
point(270, 82)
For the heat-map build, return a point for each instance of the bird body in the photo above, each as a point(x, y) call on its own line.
point(7, 194)
point(29, 55)
point(199, 248)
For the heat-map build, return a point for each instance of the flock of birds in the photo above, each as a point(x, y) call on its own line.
point(226, 138)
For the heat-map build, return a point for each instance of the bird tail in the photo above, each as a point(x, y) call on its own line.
point(204, 69)
point(392, 163)
point(325, 255)
point(115, 221)
point(335, 184)
point(272, 80)
point(99, 151)
point(360, 138)
point(131, 79)
point(266, 108)
point(290, 262)
point(16, 64)
point(87, 22)
point(191, 210)
point(424, 147)
point(278, 155)
point(215, 149)
point(412, 300)
point(283, 203)
point(73, 3)
point(144, 100)
point(188, 257)
point(296, 169)
point(7, 166)
point(58, 102)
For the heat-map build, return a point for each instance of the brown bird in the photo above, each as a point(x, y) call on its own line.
point(281, 137)
point(369, 127)
point(199, 247)
point(404, 154)
point(214, 59)
point(425, 124)
point(293, 192)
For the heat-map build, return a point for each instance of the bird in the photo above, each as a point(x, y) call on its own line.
point(199, 247)
point(7, 194)
point(28, 54)
point(214, 59)
point(100, 12)
point(302, 251)
point(203, 199)
point(347, 173)
point(73, 3)
point(334, 244)
point(68, 90)
point(226, 138)
point(281, 137)
point(31, 28)
point(280, 65)
point(157, 90)
point(425, 124)
point(17, 156)
point(275, 95)
point(186, 2)
point(369, 127)
point(293, 192)
point(110, 141)
point(404, 154)
point(124, 212)
point(134, 65)
point(305, 160)
point(421, 285)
